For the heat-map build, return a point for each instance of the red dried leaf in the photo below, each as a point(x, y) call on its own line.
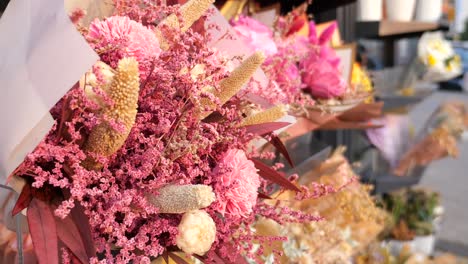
point(263, 196)
point(296, 25)
point(278, 144)
point(43, 231)
point(240, 260)
point(68, 233)
point(200, 258)
point(265, 128)
point(165, 256)
point(177, 259)
point(81, 221)
point(219, 260)
point(23, 200)
point(271, 175)
point(75, 260)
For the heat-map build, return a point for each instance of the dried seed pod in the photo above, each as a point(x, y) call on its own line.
point(197, 232)
point(177, 199)
point(269, 115)
point(191, 12)
point(104, 139)
point(236, 80)
point(89, 81)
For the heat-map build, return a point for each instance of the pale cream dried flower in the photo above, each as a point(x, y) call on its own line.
point(104, 139)
point(197, 232)
point(177, 199)
point(89, 81)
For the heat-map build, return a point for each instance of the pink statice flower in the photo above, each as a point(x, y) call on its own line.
point(76, 15)
point(283, 68)
point(256, 35)
point(287, 73)
point(323, 80)
point(237, 184)
point(117, 37)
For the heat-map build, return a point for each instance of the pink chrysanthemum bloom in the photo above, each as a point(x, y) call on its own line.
point(118, 37)
point(237, 183)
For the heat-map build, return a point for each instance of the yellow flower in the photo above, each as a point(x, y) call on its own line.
point(431, 60)
point(360, 79)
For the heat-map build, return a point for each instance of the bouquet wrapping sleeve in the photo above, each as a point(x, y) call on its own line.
point(42, 56)
point(438, 138)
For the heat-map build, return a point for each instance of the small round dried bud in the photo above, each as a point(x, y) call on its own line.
point(269, 115)
point(197, 232)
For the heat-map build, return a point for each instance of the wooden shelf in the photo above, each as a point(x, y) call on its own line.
point(317, 6)
point(382, 29)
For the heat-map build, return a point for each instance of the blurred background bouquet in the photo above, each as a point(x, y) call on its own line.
point(413, 222)
point(351, 219)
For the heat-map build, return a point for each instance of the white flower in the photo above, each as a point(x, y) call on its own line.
point(197, 232)
point(439, 210)
point(438, 55)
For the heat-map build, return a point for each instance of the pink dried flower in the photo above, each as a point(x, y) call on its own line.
point(322, 79)
point(118, 37)
point(282, 69)
point(237, 184)
point(285, 72)
point(320, 68)
point(322, 41)
point(168, 144)
point(256, 35)
point(76, 15)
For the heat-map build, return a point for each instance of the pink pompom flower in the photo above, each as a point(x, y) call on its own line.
point(118, 37)
point(237, 183)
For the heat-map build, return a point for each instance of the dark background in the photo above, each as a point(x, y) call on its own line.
point(3, 4)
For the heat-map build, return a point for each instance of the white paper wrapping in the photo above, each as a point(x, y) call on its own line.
point(41, 56)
